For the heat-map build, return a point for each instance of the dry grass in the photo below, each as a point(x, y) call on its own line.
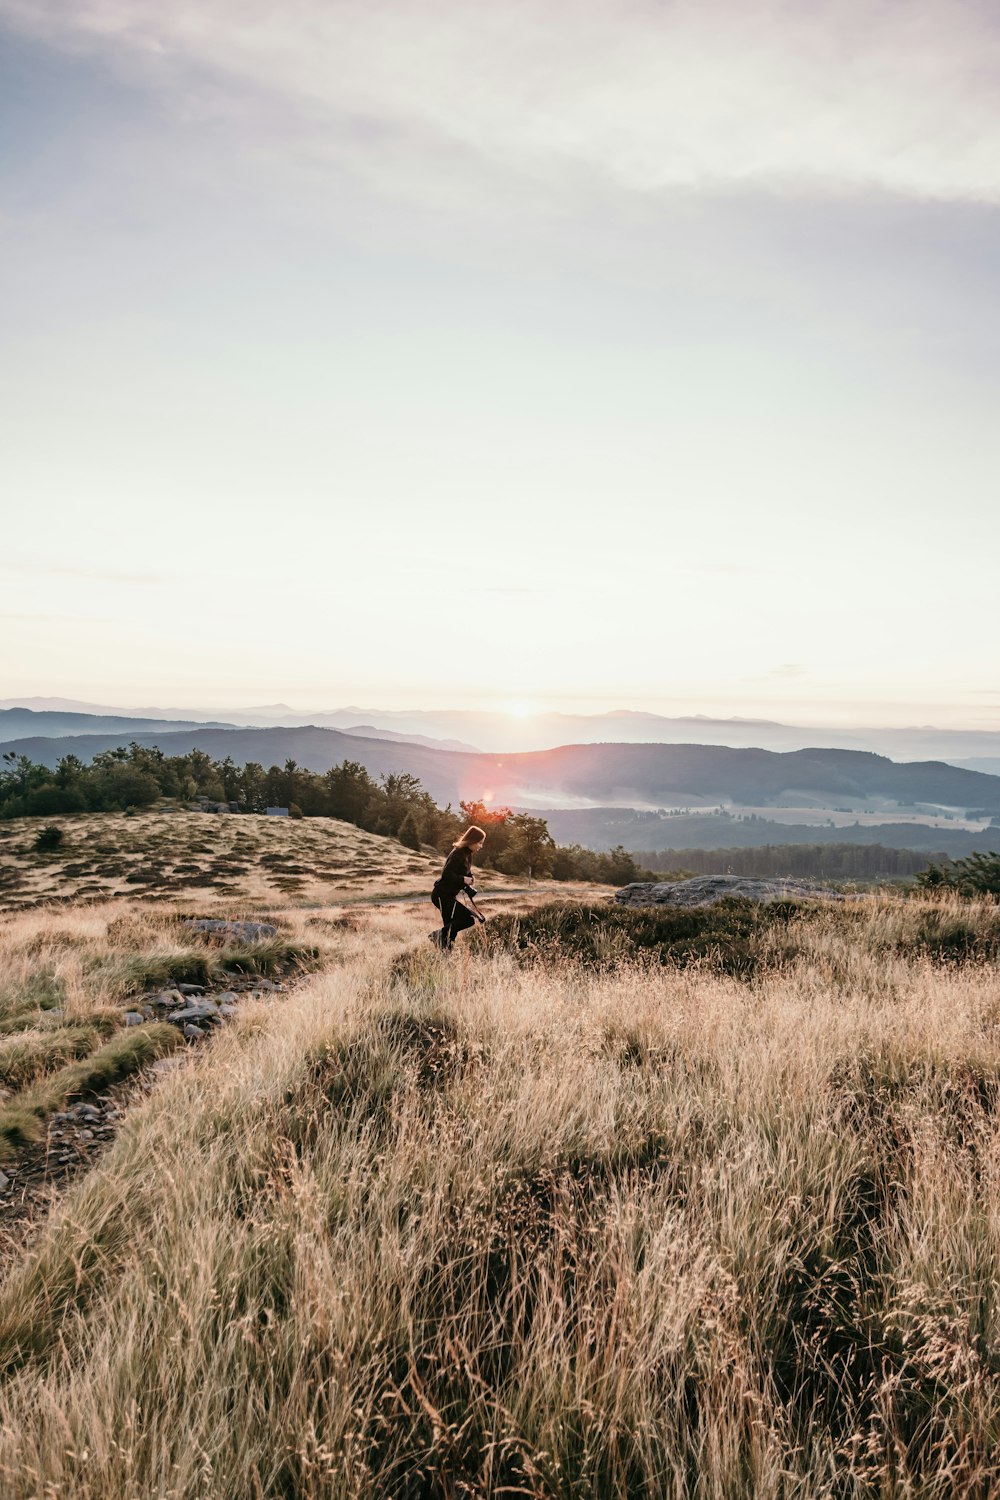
point(480, 1227)
point(203, 858)
point(70, 966)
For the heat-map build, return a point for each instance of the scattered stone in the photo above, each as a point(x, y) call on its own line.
point(4, 1182)
point(134, 1018)
point(165, 998)
point(200, 1010)
point(85, 1135)
point(166, 1065)
point(705, 890)
point(191, 989)
point(229, 1011)
point(242, 932)
point(86, 1112)
point(227, 998)
point(193, 1032)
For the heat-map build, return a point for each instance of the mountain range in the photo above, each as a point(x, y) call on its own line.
point(639, 776)
point(509, 733)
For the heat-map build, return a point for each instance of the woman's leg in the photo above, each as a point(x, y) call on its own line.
point(461, 919)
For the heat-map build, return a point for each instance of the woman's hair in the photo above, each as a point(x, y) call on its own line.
point(470, 839)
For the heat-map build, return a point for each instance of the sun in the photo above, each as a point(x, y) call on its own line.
point(520, 708)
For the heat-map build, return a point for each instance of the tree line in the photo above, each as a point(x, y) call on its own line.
point(134, 777)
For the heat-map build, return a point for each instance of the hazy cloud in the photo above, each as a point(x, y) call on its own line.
point(91, 575)
point(898, 95)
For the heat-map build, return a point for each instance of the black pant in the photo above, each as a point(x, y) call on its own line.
point(455, 918)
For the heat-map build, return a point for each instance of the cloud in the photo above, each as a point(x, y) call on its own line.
point(893, 95)
point(90, 575)
point(788, 669)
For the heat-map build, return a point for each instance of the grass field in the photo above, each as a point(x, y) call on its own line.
point(574, 1212)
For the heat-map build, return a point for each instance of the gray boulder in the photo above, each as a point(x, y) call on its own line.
point(198, 1010)
point(705, 890)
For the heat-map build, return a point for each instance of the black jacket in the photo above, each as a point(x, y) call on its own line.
point(456, 867)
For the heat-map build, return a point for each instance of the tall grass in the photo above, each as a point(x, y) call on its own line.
point(482, 1227)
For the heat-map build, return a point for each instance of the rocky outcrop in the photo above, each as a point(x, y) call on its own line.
point(240, 932)
point(704, 890)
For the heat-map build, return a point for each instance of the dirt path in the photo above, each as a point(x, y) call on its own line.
point(78, 1135)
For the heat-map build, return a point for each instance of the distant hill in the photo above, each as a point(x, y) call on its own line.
point(440, 771)
point(27, 723)
point(508, 733)
point(604, 827)
point(20, 722)
point(369, 732)
point(988, 764)
point(609, 775)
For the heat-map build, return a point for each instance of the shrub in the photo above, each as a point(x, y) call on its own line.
point(409, 833)
point(732, 936)
point(48, 838)
point(978, 875)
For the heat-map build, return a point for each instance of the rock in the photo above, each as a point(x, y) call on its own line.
point(198, 1010)
point(228, 1011)
point(85, 1135)
point(86, 1112)
point(704, 890)
point(241, 932)
point(191, 989)
point(4, 1182)
point(166, 1065)
point(165, 998)
point(193, 1032)
point(228, 997)
point(134, 1018)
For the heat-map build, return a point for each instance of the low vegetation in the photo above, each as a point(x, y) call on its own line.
point(549, 1217)
point(733, 936)
point(67, 979)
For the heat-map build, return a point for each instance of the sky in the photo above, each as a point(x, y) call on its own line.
point(621, 353)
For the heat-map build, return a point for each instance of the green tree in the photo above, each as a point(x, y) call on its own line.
point(409, 833)
point(531, 848)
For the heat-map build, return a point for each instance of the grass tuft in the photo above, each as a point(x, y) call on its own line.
point(22, 1119)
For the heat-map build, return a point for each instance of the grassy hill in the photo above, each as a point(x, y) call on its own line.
point(204, 857)
point(605, 1203)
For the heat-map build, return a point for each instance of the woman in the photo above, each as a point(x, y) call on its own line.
point(455, 878)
